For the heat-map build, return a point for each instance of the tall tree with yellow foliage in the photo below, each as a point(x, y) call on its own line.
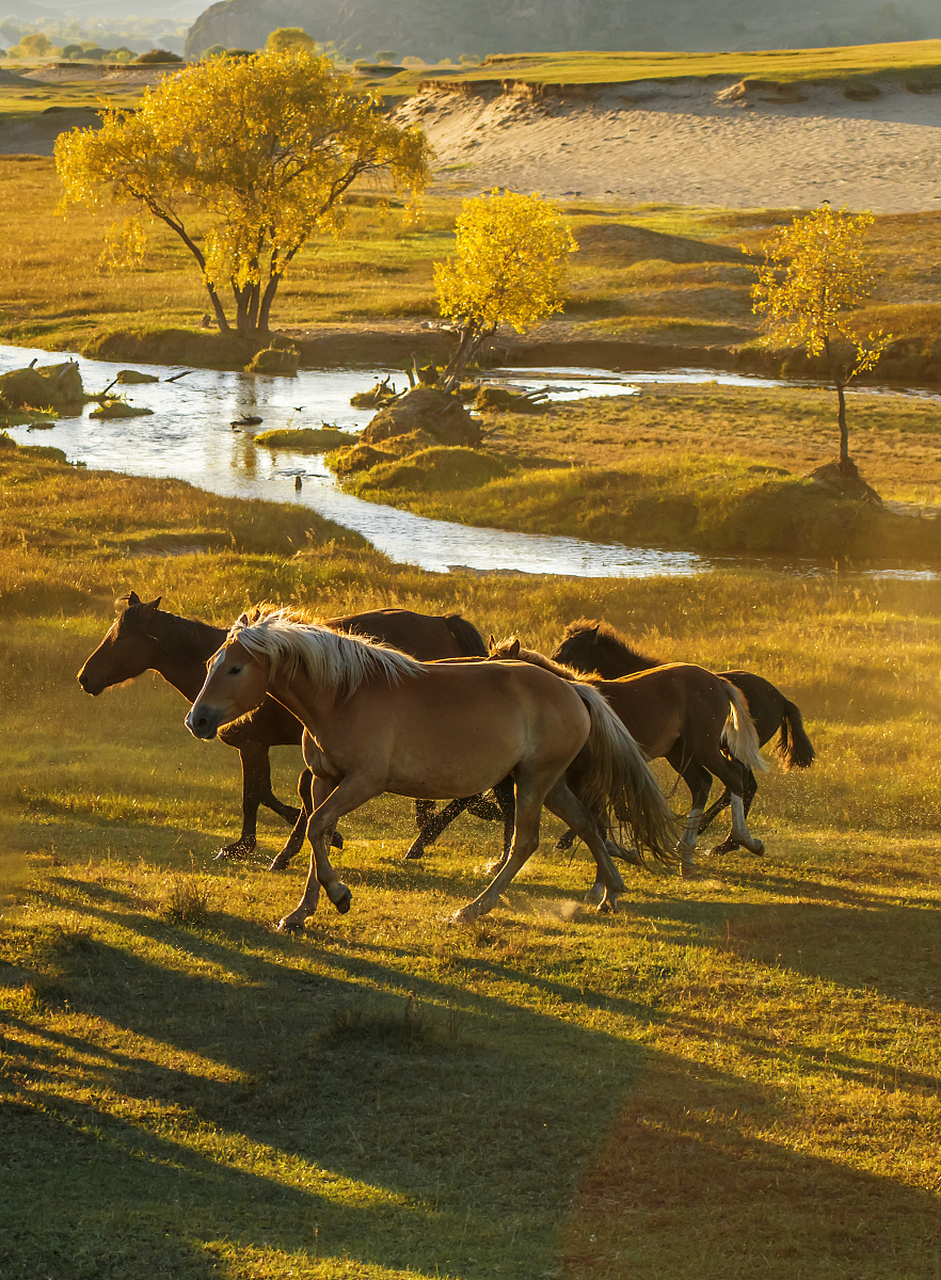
point(509, 266)
point(815, 277)
point(244, 160)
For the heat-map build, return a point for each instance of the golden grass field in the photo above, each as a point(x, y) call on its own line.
point(738, 1071)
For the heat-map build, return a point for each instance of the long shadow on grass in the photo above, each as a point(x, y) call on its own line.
point(859, 942)
point(269, 1095)
point(706, 1175)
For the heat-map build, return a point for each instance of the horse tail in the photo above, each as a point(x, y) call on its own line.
point(739, 733)
point(793, 746)
point(618, 781)
point(469, 640)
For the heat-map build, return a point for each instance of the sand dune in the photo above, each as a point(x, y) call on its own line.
point(693, 142)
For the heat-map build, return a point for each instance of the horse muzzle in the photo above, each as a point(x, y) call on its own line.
point(91, 686)
point(203, 721)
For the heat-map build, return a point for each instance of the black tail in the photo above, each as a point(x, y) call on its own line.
point(469, 639)
point(793, 746)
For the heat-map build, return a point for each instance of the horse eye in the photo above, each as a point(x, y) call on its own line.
point(234, 671)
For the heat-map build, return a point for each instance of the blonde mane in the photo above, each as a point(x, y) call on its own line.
point(510, 649)
point(333, 660)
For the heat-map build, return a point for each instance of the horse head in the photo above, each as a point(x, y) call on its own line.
point(126, 651)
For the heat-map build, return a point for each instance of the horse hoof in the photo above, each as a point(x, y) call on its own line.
point(234, 852)
point(756, 848)
point(279, 863)
point(290, 926)
point(343, 902)
point(727, 846)
point(414, 855)
point(595, 895)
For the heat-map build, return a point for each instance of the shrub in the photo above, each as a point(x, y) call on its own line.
point(158, 55)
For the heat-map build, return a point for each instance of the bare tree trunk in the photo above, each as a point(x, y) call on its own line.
point(847, 466)
point(471, 341)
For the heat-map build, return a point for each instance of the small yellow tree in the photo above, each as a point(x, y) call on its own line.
point(283, 39)
point(815, 276)
point(511, 255)
point(244, 159)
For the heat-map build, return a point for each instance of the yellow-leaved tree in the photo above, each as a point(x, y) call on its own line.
point(509, 266)
point(815, 277)
point(243, 159)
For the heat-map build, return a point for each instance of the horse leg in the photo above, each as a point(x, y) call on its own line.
point(433, 823)
point(565, 841)
point(699, 781)
point(741, 783)
point(329, 805)
point(740, 832)
point(530, 792)
point(715, 809)
point(295, 840)
point(565, 804)
point(256, 791)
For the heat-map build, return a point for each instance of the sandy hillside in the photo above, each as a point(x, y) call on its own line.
point(693, 142)
point(682, 142)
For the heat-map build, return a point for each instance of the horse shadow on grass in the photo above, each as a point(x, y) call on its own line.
point(707, 1175)
point(291, 1097)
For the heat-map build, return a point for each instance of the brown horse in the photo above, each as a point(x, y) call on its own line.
point(144, 637)
point(596, 647)
point(690, 717)
point(376, 720)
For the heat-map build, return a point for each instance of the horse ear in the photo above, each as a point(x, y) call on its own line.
point(242, 620)
point(132, 598)
point(594, 631)
point(514, 649)
point(492, 643)
point(151, 609)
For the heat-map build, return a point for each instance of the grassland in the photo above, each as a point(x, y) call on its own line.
point(916, 61)
point(55, 292)
point(720, 469)
point(738, 1073)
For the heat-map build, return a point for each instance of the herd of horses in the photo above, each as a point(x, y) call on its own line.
point(422, 706)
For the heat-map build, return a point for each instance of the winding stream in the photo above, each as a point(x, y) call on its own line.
point(190, 437)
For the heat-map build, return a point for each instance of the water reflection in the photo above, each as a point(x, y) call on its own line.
point(189, 437)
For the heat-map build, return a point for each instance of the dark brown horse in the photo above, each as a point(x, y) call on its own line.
point(686, 715)
point(144, 637)
point(376, 721)
point(596, 647)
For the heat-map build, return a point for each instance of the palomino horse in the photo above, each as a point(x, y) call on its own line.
point(596, 647)
point(376, 720)
point(145, 638)
point(695, 720)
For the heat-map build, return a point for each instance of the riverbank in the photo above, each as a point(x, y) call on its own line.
point(720, 470)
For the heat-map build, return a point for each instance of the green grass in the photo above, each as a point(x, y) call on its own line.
point(720, 469)
point(737, 1073)
point(915, 61)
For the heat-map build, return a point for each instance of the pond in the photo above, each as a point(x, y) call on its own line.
point(190, 437)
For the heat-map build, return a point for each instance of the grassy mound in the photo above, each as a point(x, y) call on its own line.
point(304, 439)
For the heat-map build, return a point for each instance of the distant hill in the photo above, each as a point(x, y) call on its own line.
point(436, 29)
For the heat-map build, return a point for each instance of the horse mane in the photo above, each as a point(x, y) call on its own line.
point(173, 632)
point(333, 660)
point(609, 638)
point(501, 651)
